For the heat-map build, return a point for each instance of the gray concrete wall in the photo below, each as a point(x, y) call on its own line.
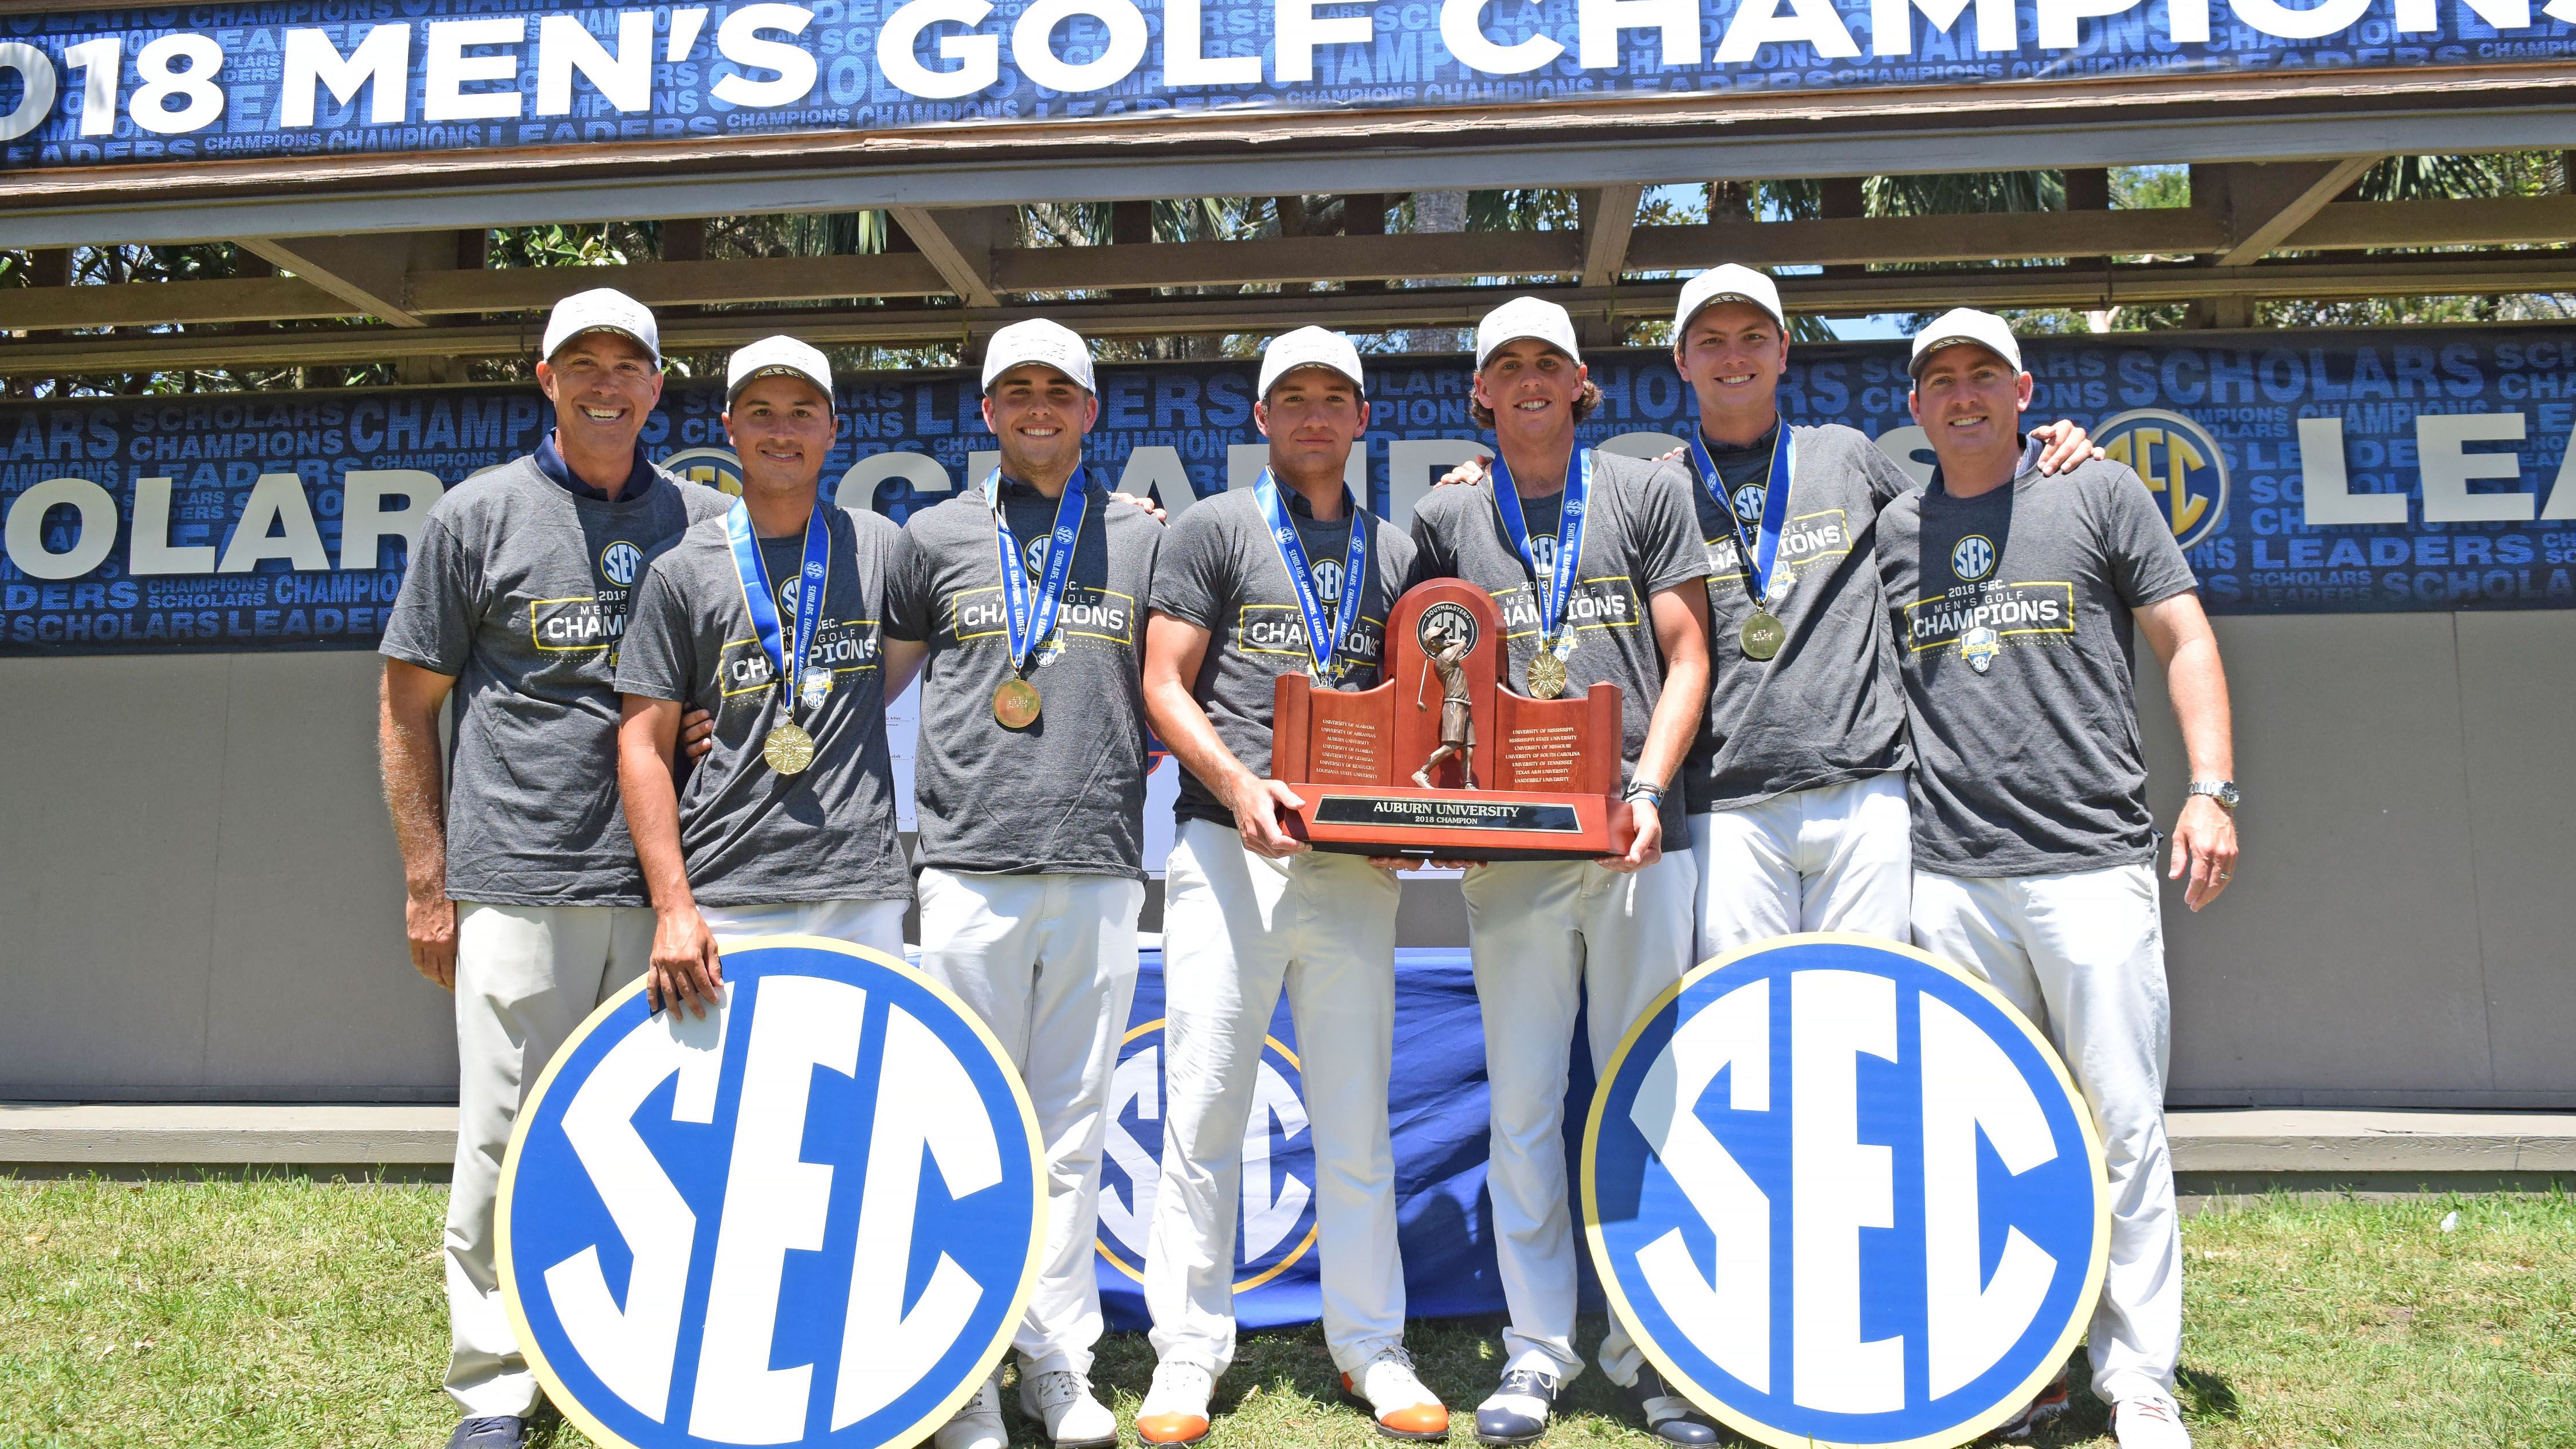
point(199, 898)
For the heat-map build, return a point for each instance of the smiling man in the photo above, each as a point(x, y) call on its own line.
point(1028, 594)
point(769, 619)
point(2013, 598)
point(1293, 576)
point(1796, 783)
point(1596, 563)
point(524, 895)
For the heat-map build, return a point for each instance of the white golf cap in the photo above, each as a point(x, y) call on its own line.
point(1309, 347)
point(1964, 324)
point(1526, 317)
point(779, 356)
point(1729, 283)
point(1038, 340)
point(603, 309)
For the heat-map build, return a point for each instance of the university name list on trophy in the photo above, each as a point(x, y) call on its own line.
point(1441, 761)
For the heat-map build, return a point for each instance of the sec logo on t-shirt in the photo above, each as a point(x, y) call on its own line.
point(1845, 1195)
point(812, 1217)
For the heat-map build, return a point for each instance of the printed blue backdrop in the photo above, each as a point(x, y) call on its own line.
point(313, 77)
point(2309, 472)
point(1436, 1109)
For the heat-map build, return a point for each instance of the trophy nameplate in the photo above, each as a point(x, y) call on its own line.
point(1441, 761)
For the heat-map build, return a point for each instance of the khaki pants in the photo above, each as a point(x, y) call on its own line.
point(1840, 858)
point(1237, 929)
point(1049, 963)
point(2082, 955)
point(857, 923)
point(1545, 938)
point(526, 978)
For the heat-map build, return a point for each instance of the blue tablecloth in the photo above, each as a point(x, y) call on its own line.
point(1438, 1114)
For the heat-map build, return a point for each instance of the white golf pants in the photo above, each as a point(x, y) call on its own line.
point(526, 978)
point(1237, 927)
point(1049, 963)
point(1839, 858)
point(2083, 956)
point(1546, 937)
point(878, 924)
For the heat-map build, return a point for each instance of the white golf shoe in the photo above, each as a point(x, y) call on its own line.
point(1396, 1399)
point(977, 1424)
point(2150, 1421)
point(1175, 1410)
point(1062, 1400)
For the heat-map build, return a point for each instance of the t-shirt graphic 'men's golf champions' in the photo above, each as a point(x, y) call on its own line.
point(519, 588)
point(1640, 539)
point(1827, 707)
point(2012, 612)
point(1067, 792)
point(750, 835)
point(1219, 570)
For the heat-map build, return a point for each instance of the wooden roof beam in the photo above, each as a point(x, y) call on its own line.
point(959, 243)
point(2084, 286)
point(372, 274)
point(2265, 205)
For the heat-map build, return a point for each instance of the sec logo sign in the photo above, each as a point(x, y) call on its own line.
point(717, 468)
point(1276, 1230)
point(1846, 1195)
point(812, 1217)
point(2179, 461)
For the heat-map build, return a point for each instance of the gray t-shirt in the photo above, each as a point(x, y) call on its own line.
point(520, 590)
point(2032, 766)
point(1828, 708)
point(1220, 571)
point(1640, 539)
point(1066, 794)
point(748, 834)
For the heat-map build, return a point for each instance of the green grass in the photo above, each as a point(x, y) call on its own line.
point(292, 1313)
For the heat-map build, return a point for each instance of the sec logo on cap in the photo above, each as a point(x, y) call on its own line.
point(1846, 1195)
point(812, 1217)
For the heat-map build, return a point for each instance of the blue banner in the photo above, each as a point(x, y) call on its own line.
point(2303, 472)
point(299, 78)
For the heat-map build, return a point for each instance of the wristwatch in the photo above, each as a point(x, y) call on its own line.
point(2222, 791)
point(1641, 790)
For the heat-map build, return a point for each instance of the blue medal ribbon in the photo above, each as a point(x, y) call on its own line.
point(1556, 586)
point(1032, 621)
point(787, 655)
point(1759, 553)
point(1322, 644)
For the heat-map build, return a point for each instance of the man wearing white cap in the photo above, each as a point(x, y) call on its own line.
point(1596, 562)
point(769, 619)
point(1028, 594)
point(1796, 783)
point(524, 896)
point(2013, 598)
point(1292, 576)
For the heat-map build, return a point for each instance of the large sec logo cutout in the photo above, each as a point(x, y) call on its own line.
point(2181, 463)
point(1275, 1229)
point(1846, 1195)
point(813, 1217)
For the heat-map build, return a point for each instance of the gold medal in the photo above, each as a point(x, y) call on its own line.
point(1015, 704)
point(1762, 636)
point(1546, 676)
point(788, 749)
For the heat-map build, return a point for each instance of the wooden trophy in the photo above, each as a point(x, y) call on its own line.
point(1440, 761)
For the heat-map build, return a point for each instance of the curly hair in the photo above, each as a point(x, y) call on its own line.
point(1585, 404)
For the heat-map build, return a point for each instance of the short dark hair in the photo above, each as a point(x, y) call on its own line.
point(1586, 404)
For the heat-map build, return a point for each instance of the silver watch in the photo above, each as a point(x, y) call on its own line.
point(2222, 791)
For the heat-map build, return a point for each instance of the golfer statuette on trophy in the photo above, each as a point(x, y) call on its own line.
point(1442, 760)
